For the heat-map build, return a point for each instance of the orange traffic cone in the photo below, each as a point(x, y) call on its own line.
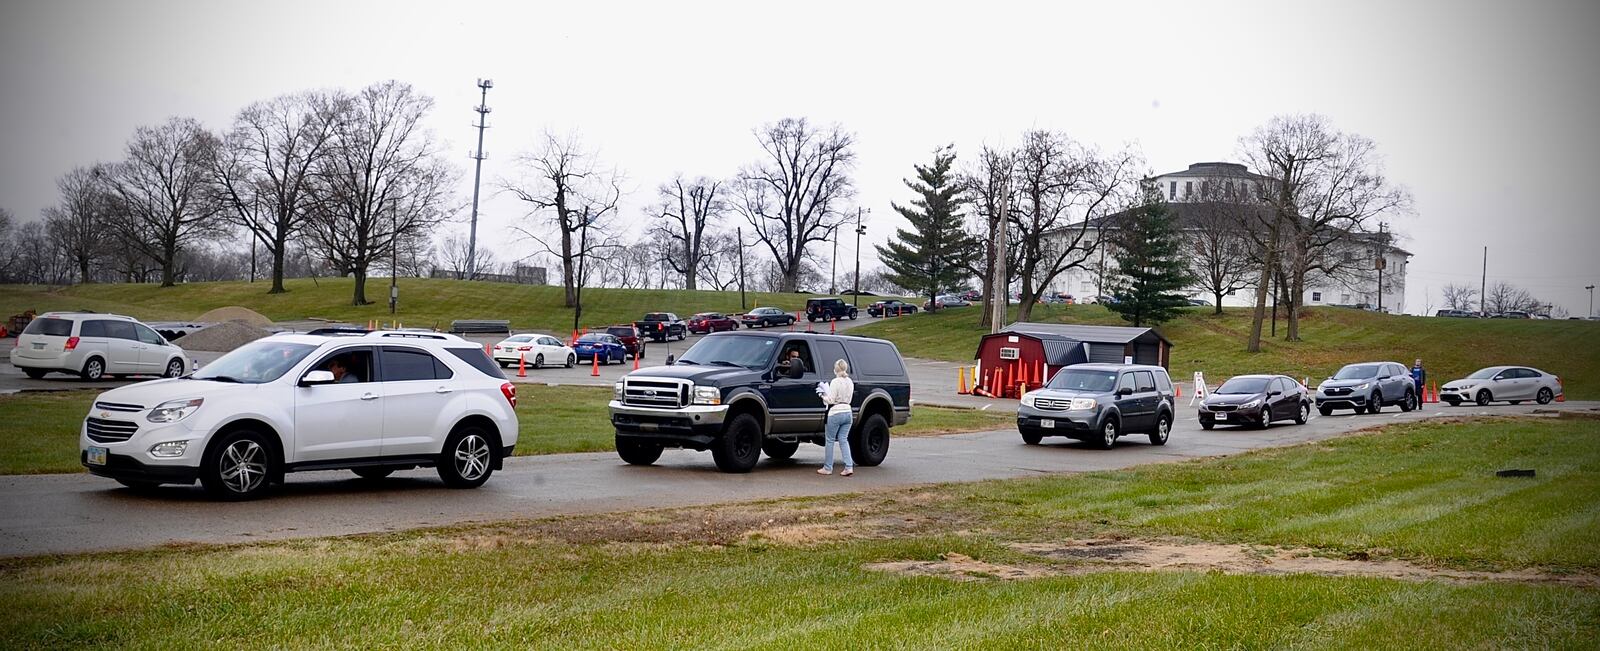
point(594, 368)
point(830, 325)
point(961, 380)
point(488, 349)
point(522, 365)
point(636, 361)
point(1177, 390)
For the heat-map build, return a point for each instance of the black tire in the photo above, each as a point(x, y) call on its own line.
point(572, 360)
point(94, 369)
point(373, 473)
point(1409, 402)
point(1545, 396)
point(1207, 426)
point(636, 453)
point(174, 368)
point(1032, 438)
point(538, 360)
point(138, 486)
point(468, 457)
point(739, 448)
point(1163, 430)
point(1266, 418)
point(1484, 398)
point(869, 443)
point(34, 373)
point(238, 466)
point(1303, 415)
point(1375, 403)
point(1326, 411)
point(1108, 433)
point(780, 450)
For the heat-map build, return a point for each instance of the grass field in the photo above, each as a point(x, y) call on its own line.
point(39, 430)
point(1332, 337)
point(829, 573)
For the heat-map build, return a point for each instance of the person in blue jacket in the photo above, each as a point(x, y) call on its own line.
point(1418, 376)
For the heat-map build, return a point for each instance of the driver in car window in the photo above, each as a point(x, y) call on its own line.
point(341, 372)
point(792, 367)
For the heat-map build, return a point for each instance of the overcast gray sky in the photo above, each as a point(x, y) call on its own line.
point(1485, 110)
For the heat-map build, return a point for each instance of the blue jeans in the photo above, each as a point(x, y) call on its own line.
point(838, 431)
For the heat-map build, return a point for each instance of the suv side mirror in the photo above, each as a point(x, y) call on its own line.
point(317, 377)
point(1125, 391)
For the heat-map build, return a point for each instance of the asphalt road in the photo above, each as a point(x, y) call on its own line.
point(50, 514)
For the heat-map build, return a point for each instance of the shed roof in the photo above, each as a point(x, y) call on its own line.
point(1059, 350)
point(1088, 333)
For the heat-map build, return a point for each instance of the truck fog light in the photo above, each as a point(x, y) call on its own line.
point(169, 449)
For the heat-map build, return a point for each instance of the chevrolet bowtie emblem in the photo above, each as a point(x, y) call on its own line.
point(105, 414)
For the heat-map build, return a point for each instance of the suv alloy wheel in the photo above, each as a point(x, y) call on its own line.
point(238, 466)
point(1163, 430)
point(468, 458)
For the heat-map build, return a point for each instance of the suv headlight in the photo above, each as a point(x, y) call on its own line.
point(1027, 399)
point(1364, 386)
point(707, 396)
point(173, 411)
point(169, 449)
point(616, 390)
point(1082, 404)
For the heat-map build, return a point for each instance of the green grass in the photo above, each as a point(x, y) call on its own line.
point(39, 430)
point(1331, 337)
point(715, 578)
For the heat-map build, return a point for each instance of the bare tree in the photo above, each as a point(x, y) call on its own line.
point(8, 247)
point(78, 225)
point(1460, 297)
point(720, 268)
point(1222, 259)
point(687, 208)
point(453, 252)
point(988, 184)
point(1506, 297)
point(381, 182)
point(794, 195)
point(267, 164)
point(164, 201)
point(569, 192)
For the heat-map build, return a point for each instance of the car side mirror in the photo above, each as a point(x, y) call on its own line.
point(1274, 392)
point(672, 359)
point(1125, 391)
point(315, 378)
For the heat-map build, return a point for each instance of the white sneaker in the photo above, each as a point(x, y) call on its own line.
point(824, 471)
point(847, 472)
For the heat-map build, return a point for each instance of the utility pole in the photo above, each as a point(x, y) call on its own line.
point(1591, 299)
point(1483, 289)
point(860, 230)
point(833, 265)
point(394, 260)
point(583, 254)
point(1380, 260)
point(477, 175)
point(739, 233)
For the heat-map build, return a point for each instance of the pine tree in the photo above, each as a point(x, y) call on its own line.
point(931, 258)
point(1152, 270)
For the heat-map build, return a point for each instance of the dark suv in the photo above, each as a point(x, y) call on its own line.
point(1098, 403)
point(728, 394)
point(630, 339)
point(829, 309)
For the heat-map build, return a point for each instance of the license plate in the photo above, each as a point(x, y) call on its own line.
point(1222, 417)
point(38, 345)
point(1047, 423)
point(96, 456)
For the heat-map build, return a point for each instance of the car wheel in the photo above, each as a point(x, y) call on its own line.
point(1266, 418)
point(740, 446)
point(1374, 404)
point(538, 360)
point(1163, 430)
point(572, 360)
point(1545, 396)
point(1032, 438)
point(636, 453)
point(238, 466)
point(780, 450)
point(34, 373)
point(1326, 411)
point(468, 458)
point(174, 368)
point(1303, 415)
point(1484, 398)
point(1108, 433)
point(373, 473)
point(93, 369)
point(869, 444)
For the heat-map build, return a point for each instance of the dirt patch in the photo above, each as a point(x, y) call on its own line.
point(221, 337)
point(243, 315)
point(960, 567)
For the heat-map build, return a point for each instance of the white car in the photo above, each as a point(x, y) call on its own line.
point(1512, 384)
point(92, 346)
point(373, 403)
point(537, 351)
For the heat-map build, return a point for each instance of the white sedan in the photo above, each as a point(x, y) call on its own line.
point(1512, 384)
point(536, 351)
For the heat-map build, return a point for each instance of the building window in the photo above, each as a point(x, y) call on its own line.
point(1345, 298)
point(1205, 190)
point(1316, 297)
point(1172, 190)
point(1188, 189)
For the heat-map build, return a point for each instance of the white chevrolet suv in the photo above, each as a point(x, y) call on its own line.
point(94, 345)
point(371, 402)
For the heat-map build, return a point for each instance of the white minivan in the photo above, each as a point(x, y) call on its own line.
point(92, 346)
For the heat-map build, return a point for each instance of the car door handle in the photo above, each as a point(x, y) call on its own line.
point(369, 396)
point(443, 390)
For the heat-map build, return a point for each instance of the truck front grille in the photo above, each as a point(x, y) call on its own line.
point(660, 394)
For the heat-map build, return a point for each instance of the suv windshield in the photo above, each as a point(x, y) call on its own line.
point(1084, 380)
point(1244, 385)
point(1357, 372)
point(720, 350)
point(255, 363)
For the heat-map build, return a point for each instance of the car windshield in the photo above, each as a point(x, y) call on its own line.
point(1084, 380)
point(1484, 374)
point(593, 338)
point(256, 362)
point(721, 350)
point(1357, 372)
point(1244, 385)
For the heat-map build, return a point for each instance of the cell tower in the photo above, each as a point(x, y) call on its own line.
point(477, 175)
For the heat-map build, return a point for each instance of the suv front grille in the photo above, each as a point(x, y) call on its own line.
point(1337, 391)
point(111, 431)
point(117, 406)
point(662, 394)
point(1046, 403)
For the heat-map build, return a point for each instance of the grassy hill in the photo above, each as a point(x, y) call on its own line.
point(423, 302)
point(1332, 337)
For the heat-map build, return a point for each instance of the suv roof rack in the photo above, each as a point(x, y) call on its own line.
point(339, 332)
point(414, 334)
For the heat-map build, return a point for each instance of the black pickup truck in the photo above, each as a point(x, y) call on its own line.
point(726, 394)
point(661, 326)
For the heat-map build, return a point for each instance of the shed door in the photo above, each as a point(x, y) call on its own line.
point(1105, 353)
point(1147, 354)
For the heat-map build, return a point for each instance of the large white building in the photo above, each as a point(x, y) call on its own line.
point(1188, 191)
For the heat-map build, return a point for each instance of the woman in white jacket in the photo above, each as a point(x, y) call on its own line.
point(837, 397)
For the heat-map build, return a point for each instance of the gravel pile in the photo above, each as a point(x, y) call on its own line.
point(235, 313)
point(221, 337)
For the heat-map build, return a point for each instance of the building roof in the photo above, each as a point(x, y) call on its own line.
point(1218, 169)
point(1089, 333)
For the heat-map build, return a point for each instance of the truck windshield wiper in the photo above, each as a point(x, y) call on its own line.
point(687, 361)
point(724, 363)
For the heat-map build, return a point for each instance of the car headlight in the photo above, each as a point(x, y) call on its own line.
point(173, 411)
point(169, 449)
point(616, 390)
point(1364, 386)
point(1461, 387)
point(1027, 399)
point(1251, 405)
point(1082, 404)
point(707, 396)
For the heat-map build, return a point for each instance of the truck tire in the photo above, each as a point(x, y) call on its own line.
point(739, 448)
point(636, 453)
point(780, 450)
point(869, 444)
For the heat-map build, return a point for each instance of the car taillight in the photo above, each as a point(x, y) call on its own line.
point(524, 347)
point(509, 390)
point(72, 342)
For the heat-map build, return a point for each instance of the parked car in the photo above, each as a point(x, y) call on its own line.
point(1256, 400)
point(709, 322)
point(890, 308)
point(662, 326)
point(1456, 314)
point(630, 338)
point(1510, 314)
point(829, 309)
point(1512, 384)
point(728, 395)
point(1199, 302)
point(1367, 388)
point(372, 402)
point(766, 317)
point(971, 295)
point(93, 345)
point(600, 347)
point(951, 300)
point(1099, 403)
point(534, 350)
